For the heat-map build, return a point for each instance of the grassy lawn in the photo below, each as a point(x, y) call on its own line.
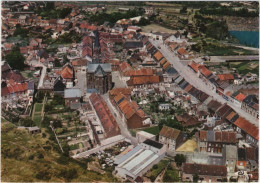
point(37, 119)
point(32, 158)
point(153, 130)
point(157, 169)
point(38, 107)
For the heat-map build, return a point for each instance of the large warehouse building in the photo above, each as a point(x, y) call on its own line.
point(140, 159)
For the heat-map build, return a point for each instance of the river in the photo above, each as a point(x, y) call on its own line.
point(248, 38)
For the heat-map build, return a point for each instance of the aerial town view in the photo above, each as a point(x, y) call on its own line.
point(126, 91)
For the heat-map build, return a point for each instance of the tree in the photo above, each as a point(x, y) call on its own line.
point(179, 159)
point(143, 21)
point(57, 63)
point(65, 59)
point(195, 177)
point(15, 59)
point(183, 10)
point(27, 122)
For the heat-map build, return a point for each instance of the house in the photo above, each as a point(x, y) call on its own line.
point(226, 77)
point(142, 136)
point(133, 44)
point(125, 91)
point(251, 106)
point(68, 75)
point(72, 96)
point(140, 159)
point(247, 130)
point(59, 86)
point(108, 122)
point(30, 89)
point(164, 107)
point(237, 98)
point(170, 137)
point(187, 120)
point(99, 77)
point(34, 130)
point(80, 65)
point(130, 112)
point(208, 173)
point(214, 141)
point(149, 10)
point(183, 54)
point(143, 81)
point(230, 158)
point(241, 158)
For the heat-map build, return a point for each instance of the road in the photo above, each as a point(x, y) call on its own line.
point(194, 80)
point(122, 125)
point(81, 81)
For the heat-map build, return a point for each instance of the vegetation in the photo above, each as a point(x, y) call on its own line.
point(23, 152)
point(245, 67)
point(173, 123)
point(102, 17)
point(15, 59)
point(171, 175)
point(153, 130)
point(157, 169)
point(179, 159)
point(229, 11)
point(19, 31)
point(27, 122)
point(49, 12)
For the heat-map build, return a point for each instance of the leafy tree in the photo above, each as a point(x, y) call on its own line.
point(19, 31)
point(57, 124)
point(57, 63)
point(65, 59)
point(143, 21)
point(179, 159)
point(183, 10)
point(195, 177)
point(15, 59)
point(27, 122)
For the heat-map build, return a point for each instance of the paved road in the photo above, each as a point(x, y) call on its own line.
point(81, 84)
point(194, 80)
point(122, 125)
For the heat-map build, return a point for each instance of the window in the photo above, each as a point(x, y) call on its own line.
point(209, 144)
point(241, 163)
point(209, 149)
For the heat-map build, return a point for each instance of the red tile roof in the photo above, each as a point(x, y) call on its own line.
point(194, 66)
point(203, 69)
point(182, 51)
point(143, 80)
point(158, 56)
point(140, 72)
point(67, 72)
point(124, 66)
point(108, 122)
point(223, 77)
point(240, 97)
point(248, 127)
point(124, 91)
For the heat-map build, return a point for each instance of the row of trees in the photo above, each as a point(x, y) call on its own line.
point(102, 17)
point(229, 11)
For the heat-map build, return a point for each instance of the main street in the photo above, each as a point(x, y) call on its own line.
point(122, 125)
point(194, 80)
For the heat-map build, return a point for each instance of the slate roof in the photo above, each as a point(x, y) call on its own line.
point(92, 67)
point(169, 132)
point(72, 93)
point(133, 44)
point(214, 105)
point(153, 143)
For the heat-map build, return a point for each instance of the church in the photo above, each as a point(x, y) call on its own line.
point(99, 77)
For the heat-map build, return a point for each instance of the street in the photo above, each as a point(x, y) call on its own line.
point(122, 125)
point(194, 80)
point(81, 81)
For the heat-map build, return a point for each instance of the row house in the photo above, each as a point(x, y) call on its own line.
point(251, 106)
point(171, 138)
point(214, 141)
point(144, 81)
point(237, 98)
point(130, 112)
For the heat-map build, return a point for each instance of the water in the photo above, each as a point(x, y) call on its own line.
point(248, 38)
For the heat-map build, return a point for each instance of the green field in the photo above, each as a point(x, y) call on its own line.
point(37, 119)
point(246, 67)
point(27, 158)
point(38, 107)
point(153, 130)
point(156, 28)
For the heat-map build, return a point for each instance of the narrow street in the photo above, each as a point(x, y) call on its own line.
point(122, 125)
point(81, 81)
point(194, 80)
